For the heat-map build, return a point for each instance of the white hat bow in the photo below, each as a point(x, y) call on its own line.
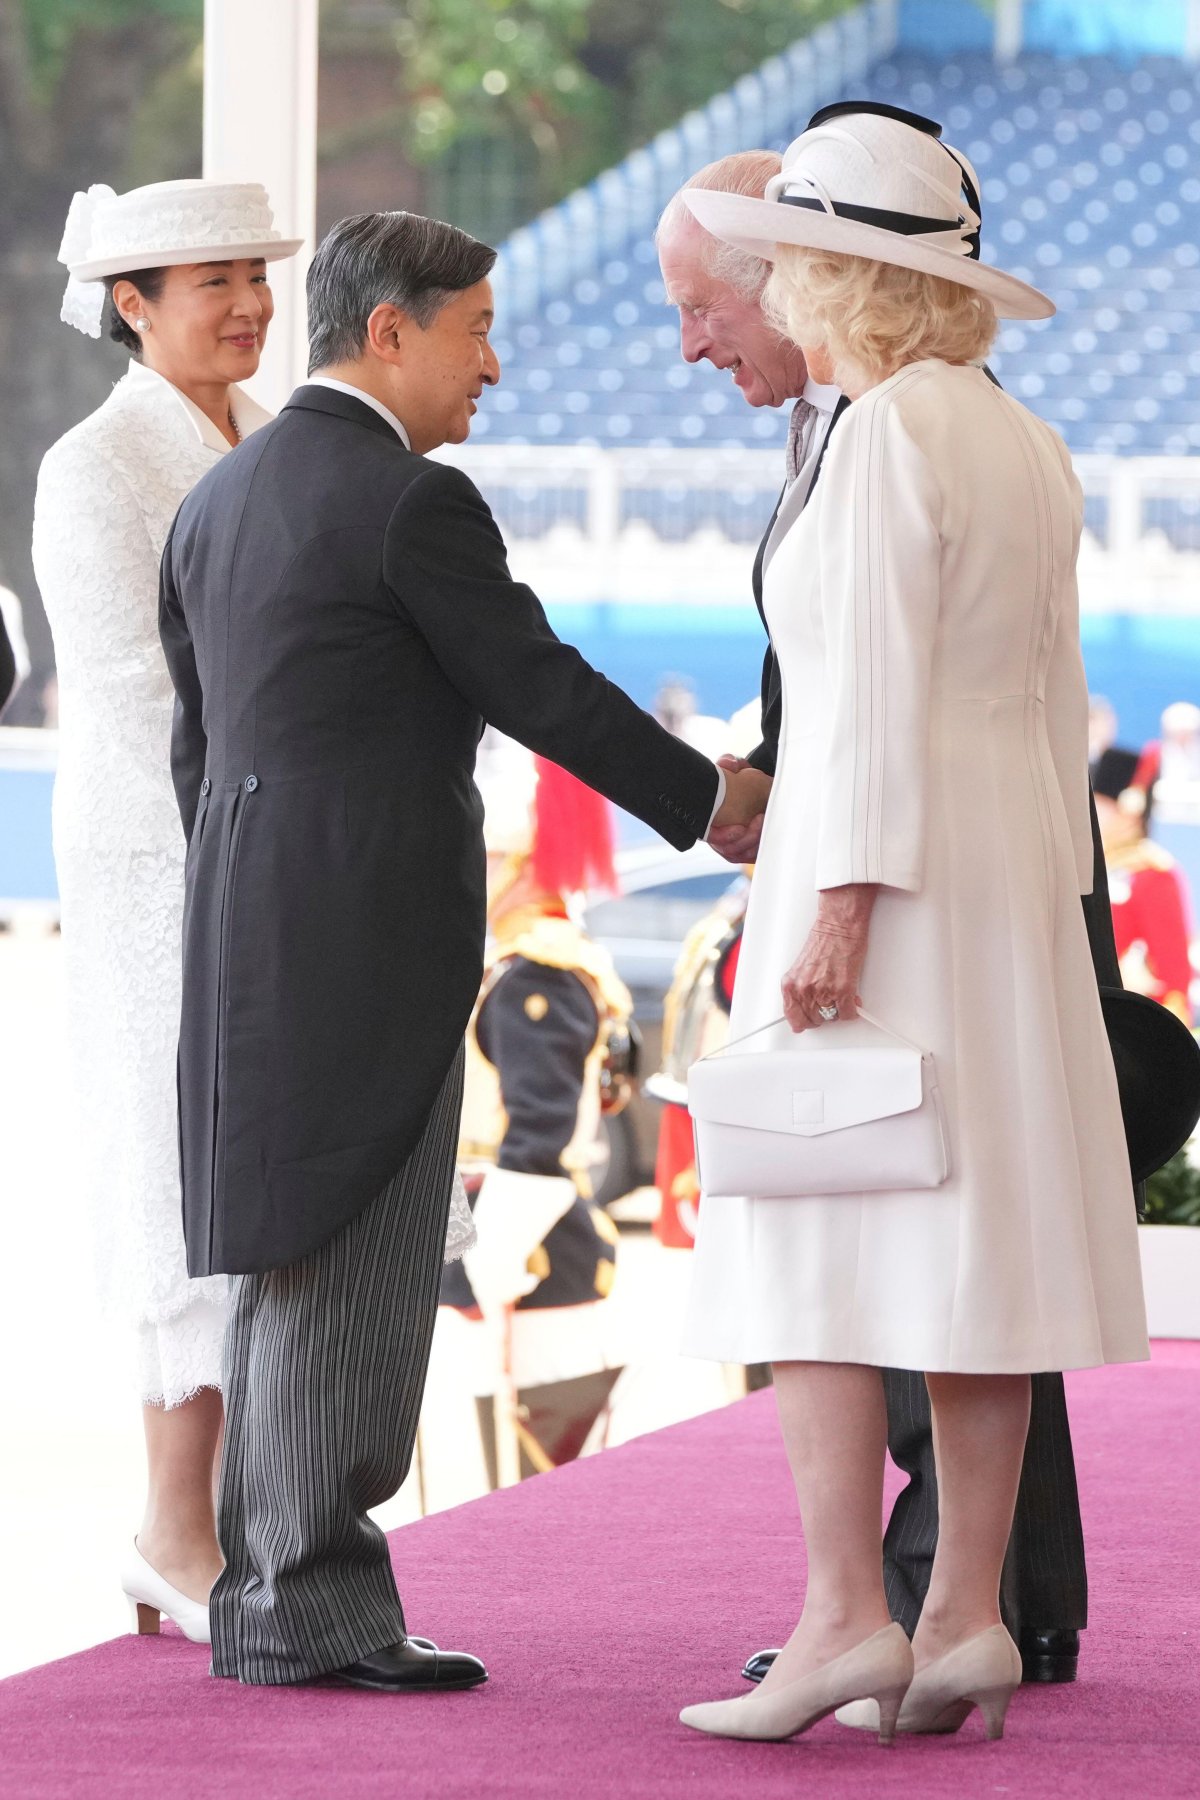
point(83, 301)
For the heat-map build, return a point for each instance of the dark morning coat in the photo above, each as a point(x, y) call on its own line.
point(339, 621)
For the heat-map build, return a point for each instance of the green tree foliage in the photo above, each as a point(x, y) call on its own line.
point(576, 84)
point(670, 58)
point(55, 28)
point(485, 64)
point(1173, 1194)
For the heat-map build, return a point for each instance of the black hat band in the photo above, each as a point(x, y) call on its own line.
point(905, 224)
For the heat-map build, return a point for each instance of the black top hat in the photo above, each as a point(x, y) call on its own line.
point(1158, 1075)
point(1112, 776)
point(1113, 771)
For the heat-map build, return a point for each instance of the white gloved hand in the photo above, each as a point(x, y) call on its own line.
point(513, 1214)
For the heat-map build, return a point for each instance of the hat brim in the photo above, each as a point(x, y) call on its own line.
point(273, 250)
point(758, 226)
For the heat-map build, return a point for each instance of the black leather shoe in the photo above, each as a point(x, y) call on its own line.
point(411, 1667)
point(758, 1665)
point(1049, 1655)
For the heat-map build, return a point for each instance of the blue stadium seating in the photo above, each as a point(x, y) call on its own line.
point(1089, 170)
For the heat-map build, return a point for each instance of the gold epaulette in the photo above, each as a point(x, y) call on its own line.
point(558, 943)
point(701, 951)
point(1140, 857)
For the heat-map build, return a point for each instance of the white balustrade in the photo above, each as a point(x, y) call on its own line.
point(685, 521)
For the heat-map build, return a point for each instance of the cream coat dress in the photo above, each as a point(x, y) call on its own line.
point(924, 612)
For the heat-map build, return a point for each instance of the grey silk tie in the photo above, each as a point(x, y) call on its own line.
point(802, 412)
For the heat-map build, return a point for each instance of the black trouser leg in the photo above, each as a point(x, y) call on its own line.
point(325, 1368)
point(1045, 1572)
point(1044, 1586)
point(912, 1530)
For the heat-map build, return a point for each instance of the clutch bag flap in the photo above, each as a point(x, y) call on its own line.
point(809, 1093)
point(825, 1120)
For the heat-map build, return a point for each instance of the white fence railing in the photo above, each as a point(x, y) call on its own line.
point(591, 524)
point(599, 494)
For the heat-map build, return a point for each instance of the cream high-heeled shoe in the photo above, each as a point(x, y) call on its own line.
point(985, 1671)
point(880, 1666)
point(149, 1596)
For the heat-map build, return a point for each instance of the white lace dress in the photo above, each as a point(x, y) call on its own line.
point(107, 494)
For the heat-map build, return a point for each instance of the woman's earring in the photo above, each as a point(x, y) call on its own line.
point(142, 325)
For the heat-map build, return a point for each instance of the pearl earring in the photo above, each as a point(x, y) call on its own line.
point(142, 325)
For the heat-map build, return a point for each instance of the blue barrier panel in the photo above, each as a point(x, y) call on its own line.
point(27, 761)
point(1141, 661)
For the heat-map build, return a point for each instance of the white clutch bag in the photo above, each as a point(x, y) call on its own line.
point(847, 1120)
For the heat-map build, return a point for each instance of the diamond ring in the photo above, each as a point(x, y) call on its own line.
point(828, 1012)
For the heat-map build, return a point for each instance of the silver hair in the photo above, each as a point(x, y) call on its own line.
point(747, 172)
point(368, 260)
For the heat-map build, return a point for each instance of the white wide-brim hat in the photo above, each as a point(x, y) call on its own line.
point(162, 226)
point(868, 185)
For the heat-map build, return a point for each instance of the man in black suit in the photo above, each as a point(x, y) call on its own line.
point(718, 291)
point(339, 621)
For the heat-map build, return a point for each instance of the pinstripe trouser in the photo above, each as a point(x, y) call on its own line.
point(325, 1364)
point(1045, 1576)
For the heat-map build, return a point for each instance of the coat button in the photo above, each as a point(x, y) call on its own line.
point(206, 786)
point(251, 783)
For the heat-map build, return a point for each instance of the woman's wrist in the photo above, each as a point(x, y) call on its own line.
point(846, 911)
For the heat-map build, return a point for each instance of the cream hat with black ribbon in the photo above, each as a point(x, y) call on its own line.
point(161, 226)
point(865, 180)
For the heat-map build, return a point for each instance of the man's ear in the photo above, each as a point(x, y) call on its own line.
point(388, 330)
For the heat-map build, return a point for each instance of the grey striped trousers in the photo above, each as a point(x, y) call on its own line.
point(1045, 1576)
point(325, 1364)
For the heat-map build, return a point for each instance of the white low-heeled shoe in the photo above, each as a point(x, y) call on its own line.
point(984, 1671)
point(881, 1667)
point(149, 1597)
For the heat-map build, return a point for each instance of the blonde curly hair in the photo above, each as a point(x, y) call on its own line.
point(873, 318)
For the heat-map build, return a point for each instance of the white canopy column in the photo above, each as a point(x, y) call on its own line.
point(260, 124)
point(1010, 25)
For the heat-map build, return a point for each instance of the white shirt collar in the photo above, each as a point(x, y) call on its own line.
point(825, 399)
point(344, 387)
point(247, 412)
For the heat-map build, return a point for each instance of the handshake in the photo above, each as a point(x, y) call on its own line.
point(738, 825)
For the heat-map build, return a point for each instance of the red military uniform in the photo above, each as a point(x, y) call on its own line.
point(1147, 890)
point(1150, 923)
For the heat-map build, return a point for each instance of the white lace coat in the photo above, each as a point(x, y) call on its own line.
point(107, 494)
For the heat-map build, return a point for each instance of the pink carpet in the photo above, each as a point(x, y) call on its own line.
point(606, 1596)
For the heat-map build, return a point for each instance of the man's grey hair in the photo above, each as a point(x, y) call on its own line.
point(748, 172)
point(373, 259)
